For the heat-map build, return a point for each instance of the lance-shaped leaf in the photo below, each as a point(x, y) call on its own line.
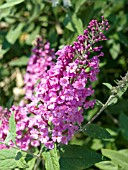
point(51, 160)
point(14, 33)
point(96, 131)
point(107, 165)
point(8, 159)
point(12, 130)
point(67, 3)
point(55, 3)
point(120, 158)
point(22, 61)
point(108, 85)
point(78, 157)
point(20, 160)
point(123, 122)
point(11, 3)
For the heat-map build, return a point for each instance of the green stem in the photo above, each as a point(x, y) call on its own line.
point(98, 113)
point(38, 159)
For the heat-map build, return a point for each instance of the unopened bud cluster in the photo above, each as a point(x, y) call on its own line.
point(121, 87)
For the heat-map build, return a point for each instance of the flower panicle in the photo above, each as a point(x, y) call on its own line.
point(64, 90)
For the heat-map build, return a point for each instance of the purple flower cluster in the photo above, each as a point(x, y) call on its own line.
point(40, 61)
point(63, 93)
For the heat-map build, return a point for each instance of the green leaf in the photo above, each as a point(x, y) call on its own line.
point(113, 101)
point(97, 144)
point(21, 163)
point(35, 12)
point(123, 39)
point(51, 160)
point(11, 3)
point(4, 72)
point(123, 151)
point(4, 12)
point(52, 36)
point(122, 91)
point(67, 3)
point(10, 102)
point(115, 50)
point(99, 103)
point(5, 48)
point(7, 159)
point(74, 157)
point(55, 3)
point(12, 130)
point(22, 61)
point(121, 106)
point(78, 24)
point(95, 131)
point(107, 165)
point(123, 122)
point(68, 22)
point(11, 158)
point(32, 35)
point(14, 33)
point(118, 158)
point(30, 159)
point(73, 23)
point(78, 4)
point(31, 164)
point(108, 85)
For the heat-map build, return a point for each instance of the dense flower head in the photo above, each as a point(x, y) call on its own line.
point(40, 61)
point(63, 93)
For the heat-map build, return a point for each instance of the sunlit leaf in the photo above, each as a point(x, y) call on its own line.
point(113, 100)
point(67, 3)
point(107, 165)
point(108, 85)
point(22, 61)
point(32, 36)
point(12, 129)
point(11, 158)
point(68, 22)
point(55, 2)
point(14, 33)
point(115, 50)
point(78, 4)
point(118, 158)
point(51, 160)
point(78, 24)
point(7, 159)
point(11, 3)
point(21, 163)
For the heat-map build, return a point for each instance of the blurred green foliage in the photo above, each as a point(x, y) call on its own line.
point(60, 22)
